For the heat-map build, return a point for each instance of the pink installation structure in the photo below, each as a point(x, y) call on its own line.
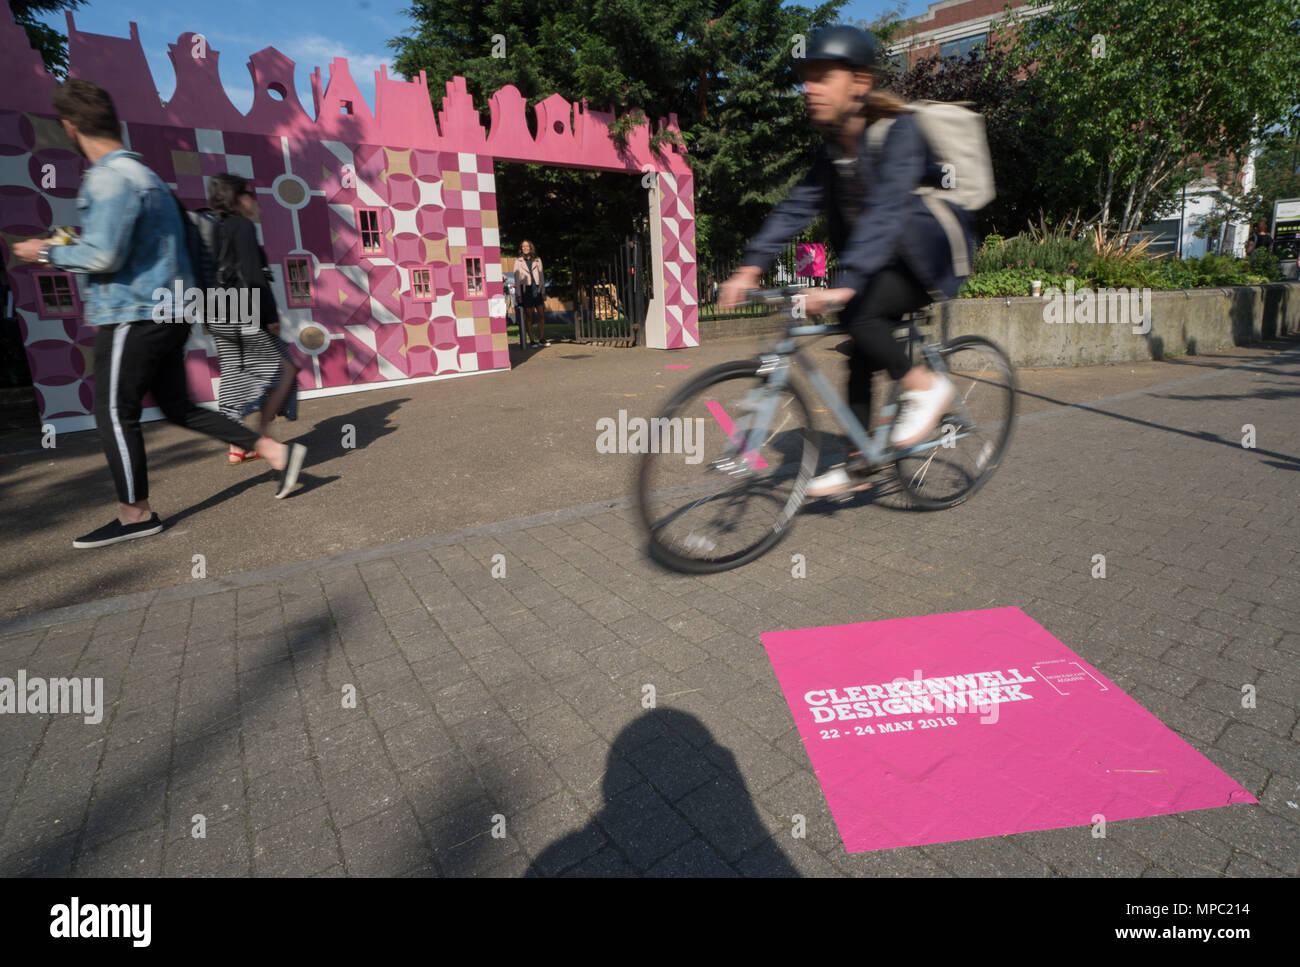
point(381, 228)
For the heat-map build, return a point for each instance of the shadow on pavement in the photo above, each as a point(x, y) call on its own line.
point(210, 723)
point(669, 751)
point(1203, 435)
point(326, 439)
point(60, 490)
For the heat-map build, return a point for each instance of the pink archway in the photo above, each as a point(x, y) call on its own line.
point(381, 226)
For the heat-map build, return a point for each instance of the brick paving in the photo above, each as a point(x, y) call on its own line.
point(498, 726)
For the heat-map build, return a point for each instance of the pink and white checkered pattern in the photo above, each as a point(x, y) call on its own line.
point(680, 295)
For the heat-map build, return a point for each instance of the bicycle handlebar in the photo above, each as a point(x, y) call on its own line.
point(782, 296)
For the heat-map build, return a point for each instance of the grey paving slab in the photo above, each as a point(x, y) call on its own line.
point(398, 710)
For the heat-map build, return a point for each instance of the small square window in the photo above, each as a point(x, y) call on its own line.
point(473, 275)
point(345, 107)
point(368, 224)
point(298, 281)
point(57, 296)
point(422, 285)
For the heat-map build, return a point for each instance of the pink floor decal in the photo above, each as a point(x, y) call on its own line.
point(729, 428)
point(979, 723)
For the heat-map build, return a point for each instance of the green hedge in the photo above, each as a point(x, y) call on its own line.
point(1006, 268)
point(1054, 256)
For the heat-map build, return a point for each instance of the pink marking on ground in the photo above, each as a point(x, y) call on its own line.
point(1054, 744)
point(751, 456)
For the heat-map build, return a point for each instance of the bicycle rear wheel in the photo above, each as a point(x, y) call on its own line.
point(714, 507)
point(973, 435)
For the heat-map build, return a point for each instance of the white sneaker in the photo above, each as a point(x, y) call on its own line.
point(837, 480)
point(919, 412)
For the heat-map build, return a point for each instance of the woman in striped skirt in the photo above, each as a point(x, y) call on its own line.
point(256, 370)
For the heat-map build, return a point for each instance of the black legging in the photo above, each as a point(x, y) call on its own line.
point(893, 292)
point(135, 358)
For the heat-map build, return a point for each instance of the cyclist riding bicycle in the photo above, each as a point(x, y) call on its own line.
point(894, 255)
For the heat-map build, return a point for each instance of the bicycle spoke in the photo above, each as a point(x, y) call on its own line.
point(942, 473)
point(745, 493)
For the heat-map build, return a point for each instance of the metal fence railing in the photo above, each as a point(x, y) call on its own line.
point(610, 298)
point(785, 270)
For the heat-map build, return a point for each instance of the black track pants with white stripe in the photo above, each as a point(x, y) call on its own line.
point(133, 359)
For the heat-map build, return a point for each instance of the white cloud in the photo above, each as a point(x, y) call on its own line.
point(316, 50)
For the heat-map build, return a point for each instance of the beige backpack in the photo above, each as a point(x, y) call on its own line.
point(958, 141)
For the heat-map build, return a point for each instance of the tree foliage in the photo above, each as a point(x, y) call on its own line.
point(44, 39)
point(1138, 86)
point(1017, 120)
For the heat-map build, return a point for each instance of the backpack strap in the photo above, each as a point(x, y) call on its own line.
point(947, 220)
point(935, 203)
point(876, 134)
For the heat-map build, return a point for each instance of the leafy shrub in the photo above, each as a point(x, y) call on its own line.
point(1002, 282)
point(1119, 264)
point(1265, 263)
point(1060, 256)
point(1210, 270)
point(1006, 267)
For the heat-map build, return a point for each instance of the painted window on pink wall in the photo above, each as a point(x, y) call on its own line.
point(297, 274)
point(58, 295)
point(372, 240)
point(422, 285)
point(473, 275)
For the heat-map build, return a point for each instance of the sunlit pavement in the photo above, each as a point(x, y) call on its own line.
point(349, 690)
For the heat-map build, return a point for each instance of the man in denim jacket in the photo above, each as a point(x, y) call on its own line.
point(133, 242)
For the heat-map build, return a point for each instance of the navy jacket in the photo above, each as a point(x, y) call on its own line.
point(894, 225)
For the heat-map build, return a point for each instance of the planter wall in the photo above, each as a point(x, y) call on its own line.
point(1181, 321)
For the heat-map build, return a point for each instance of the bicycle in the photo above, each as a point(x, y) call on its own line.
point(769, 448)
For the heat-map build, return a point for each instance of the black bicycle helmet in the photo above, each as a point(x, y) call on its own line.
point(845, 44)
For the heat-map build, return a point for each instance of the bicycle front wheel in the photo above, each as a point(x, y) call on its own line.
point(732, 492)
point(973, 436)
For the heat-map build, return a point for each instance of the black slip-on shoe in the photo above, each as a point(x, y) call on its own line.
point(116, 531)
point(289, 475)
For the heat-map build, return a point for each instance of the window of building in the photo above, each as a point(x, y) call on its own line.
point(473, 275)
point(297, 274)
point(57, 294)
point(422, 285)
point(1163, 234)
point(962, 47)
point(368, 224)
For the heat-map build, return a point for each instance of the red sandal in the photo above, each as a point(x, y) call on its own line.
point(237, 456)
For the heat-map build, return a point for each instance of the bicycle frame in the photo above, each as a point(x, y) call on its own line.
point(874, 446)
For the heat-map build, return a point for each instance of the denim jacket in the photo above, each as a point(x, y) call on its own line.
point(132, 240)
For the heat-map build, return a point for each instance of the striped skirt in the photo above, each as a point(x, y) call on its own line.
point(250, 367)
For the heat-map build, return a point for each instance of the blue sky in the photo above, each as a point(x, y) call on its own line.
point(311, 32)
